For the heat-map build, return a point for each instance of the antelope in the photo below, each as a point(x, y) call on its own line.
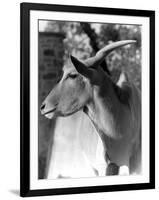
point(113, 108)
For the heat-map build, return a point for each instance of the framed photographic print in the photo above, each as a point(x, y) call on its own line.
point(87, 99)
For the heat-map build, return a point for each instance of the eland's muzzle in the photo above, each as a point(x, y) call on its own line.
point(42, 107)
point(45, 110)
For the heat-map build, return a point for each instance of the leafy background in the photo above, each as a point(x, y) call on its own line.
point(85, 39)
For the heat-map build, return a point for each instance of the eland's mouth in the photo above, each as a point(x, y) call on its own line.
point(48, 112)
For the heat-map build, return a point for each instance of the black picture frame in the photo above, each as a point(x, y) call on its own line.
point(25, 9)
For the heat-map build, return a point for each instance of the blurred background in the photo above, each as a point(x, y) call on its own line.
point(58, 39)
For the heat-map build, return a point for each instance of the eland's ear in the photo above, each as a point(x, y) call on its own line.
point(81, 68)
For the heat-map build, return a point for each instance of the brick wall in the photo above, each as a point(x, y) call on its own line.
point(51, 52)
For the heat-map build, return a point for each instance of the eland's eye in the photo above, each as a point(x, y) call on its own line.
point(73, 76)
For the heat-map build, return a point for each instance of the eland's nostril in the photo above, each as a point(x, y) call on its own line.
point(42, 106)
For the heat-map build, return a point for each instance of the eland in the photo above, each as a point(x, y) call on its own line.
point(114, 109)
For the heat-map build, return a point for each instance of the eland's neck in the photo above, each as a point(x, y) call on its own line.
point(106, 111)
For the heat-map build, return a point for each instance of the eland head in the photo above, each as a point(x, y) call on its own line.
point(76, 87)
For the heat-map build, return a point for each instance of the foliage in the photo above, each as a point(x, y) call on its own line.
point(78, 43)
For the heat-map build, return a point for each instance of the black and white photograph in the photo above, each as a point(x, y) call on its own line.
point(88, 87)
point(89, 99)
